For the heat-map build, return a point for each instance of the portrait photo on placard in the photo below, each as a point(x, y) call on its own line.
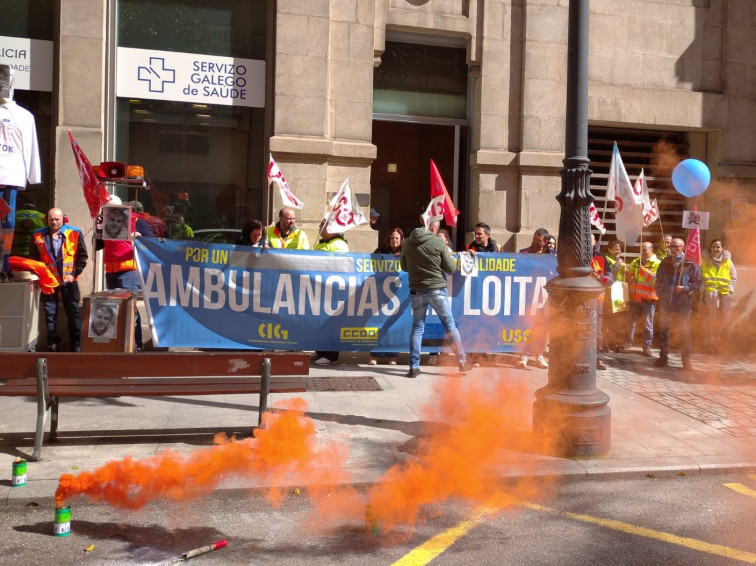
point(116, 222)
point(103, 319)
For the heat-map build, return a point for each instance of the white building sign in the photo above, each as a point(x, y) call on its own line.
point(187, 77)
point(31, 61)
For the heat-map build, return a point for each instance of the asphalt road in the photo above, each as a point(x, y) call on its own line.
point(685, 520)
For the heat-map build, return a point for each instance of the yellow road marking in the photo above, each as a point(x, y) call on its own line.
point(694, 544)
point(427, 551)
point(740, 488)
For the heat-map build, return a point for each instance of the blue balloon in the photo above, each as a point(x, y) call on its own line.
point(691, 178)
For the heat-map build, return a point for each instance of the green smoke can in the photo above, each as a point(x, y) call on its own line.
point(19, 473)
point(62, 521)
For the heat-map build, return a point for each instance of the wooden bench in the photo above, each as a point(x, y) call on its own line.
point(50, 375)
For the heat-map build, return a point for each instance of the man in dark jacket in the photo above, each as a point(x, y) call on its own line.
point(427, 260)
point(677, 280)
point(61, 248)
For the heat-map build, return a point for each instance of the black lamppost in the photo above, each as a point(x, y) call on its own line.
point(570, 413)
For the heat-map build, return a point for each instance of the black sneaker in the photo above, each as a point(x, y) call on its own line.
point(75, 347)
point(661, 363)
point(52, 347)
point(464, 367)
point(413, 372)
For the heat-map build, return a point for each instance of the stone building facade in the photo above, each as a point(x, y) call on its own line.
point(477, 85)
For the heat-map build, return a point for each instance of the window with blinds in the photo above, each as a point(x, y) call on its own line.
point(654, 152)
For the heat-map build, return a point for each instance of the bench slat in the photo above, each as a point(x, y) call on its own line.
point(153, 364)
point(132, 387)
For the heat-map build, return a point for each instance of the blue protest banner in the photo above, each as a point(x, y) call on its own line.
point(223, 296)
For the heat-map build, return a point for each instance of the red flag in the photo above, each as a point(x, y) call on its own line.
point(4, 208)
point(693, 247)
point(95, 192)
point(439, 189)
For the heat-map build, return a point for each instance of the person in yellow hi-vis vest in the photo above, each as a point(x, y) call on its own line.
point(641, 276)
point(285, 234)
point(719, 276)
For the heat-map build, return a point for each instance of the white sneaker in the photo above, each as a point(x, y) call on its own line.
point(323, 362)
point(373, 362)
point(523, 362)
point(542, 363)
point(392, 362)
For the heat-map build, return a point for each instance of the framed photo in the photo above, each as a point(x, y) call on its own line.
point(116, 222)
point(103, 320)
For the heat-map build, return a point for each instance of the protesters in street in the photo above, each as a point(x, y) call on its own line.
point(615, 314)
point(641, 276)
point(540, 243)
point(329, 242)
point(600, 272)
point(483, 242)
point(677, 280)
point(252, 235)
point(120, 263)
point(392, 244)
point(427, 260)
point(285, 234)
point(719, 277)
point(61, 248)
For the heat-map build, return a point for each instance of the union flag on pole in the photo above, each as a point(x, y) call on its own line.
point(345, 211)
point(596, 219)
point(649, 207)
point(95, 192)
point(287, 196)
point(693, 246)
point(628, 209)
point(438, 189)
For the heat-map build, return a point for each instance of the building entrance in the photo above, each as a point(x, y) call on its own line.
point(400, 175)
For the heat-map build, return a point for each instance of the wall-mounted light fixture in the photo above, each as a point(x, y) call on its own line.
point(391, 168)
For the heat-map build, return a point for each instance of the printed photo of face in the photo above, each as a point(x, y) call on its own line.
point(115, 223)
point(102, 321)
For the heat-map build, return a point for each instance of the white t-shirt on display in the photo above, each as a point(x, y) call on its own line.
point(19, 151)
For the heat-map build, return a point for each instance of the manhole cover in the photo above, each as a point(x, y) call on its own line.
point(361, 383)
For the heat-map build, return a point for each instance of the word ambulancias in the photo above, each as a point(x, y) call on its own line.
point(333, 294)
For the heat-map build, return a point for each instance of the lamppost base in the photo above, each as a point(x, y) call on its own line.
point(573, 427)
point(570, 414)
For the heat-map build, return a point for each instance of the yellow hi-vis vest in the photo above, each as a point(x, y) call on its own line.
point(716, 279)
point(296, 240)
point(641, 279)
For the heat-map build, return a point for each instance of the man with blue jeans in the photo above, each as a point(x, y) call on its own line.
point(427, 260)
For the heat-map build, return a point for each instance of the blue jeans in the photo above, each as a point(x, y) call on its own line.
point(8, 226)
point(128, 280)
point(436, 298)
point(646, 312)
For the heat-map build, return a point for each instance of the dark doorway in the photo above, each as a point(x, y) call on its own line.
point(400, 175)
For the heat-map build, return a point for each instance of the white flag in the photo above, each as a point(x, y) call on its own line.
point(649, 208)
point(287, 197)
point(435, 210)
point(628, 208)
point(596, 219)
point(345, 211)
point(652, 215)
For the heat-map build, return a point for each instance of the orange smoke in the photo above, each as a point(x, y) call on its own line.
point(285, 446)
point(484, 418)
